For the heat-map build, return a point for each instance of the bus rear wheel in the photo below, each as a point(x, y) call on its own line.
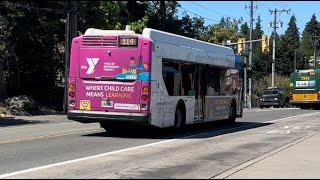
point(178, 118)
point(233, 112)
point(114, 129)
point(304, 107)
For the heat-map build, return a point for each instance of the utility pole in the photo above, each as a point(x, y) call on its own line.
point(66, 58)
point(274, 25)
point(250, 56)
point(73, 18)
point(245, 84)
point(71, 32)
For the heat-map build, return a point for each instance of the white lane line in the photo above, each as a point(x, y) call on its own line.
point(271, 109)
point(31, 126)
point(309, 114)
point(134, 148)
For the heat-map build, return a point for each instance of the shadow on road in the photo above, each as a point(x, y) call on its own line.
point(204, 130)
point(12, 121)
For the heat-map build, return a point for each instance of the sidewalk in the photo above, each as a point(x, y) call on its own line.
point(299, 161)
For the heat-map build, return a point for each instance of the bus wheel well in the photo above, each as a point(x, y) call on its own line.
point(182, 107)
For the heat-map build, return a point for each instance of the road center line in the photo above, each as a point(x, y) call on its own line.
point(134, 148)
point(31, 126)
point(45, 136)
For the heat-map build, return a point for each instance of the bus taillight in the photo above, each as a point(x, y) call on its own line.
point(144, 97)
point(71, 87)
point(319, 93)
point(71, 94)
point(145, 89)
point(290, 94)
point(71, 90)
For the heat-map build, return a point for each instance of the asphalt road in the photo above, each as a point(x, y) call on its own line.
point(54, 147)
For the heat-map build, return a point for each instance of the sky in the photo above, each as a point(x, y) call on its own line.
point(213, 11)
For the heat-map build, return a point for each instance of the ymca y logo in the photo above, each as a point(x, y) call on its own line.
point(92, 64)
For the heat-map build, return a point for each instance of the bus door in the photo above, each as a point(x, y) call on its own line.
point(200, 87)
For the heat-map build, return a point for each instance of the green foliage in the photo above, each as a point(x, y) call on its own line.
point(225, 30)
point(32, 37)
point(288, 44)
point(312, 29)
point(140, 24)
point(265, 82)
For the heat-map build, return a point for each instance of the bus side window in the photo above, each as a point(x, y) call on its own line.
point(171, 77)
point(226, 81)
point(213, 81)
point(188, 75)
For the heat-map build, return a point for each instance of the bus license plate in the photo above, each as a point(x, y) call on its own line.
point(305, 96)
point(106, 103)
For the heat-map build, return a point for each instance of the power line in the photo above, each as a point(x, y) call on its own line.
point(283, 4)
point(213, 10)
point(263, 5)
point(198, 15)
point(292, 13)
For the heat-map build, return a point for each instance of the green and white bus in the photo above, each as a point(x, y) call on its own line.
point(305, 88)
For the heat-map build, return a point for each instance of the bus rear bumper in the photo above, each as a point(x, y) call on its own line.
point(295, 102)
point(101, 116)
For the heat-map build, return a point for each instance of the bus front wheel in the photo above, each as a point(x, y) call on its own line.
point(178, 119)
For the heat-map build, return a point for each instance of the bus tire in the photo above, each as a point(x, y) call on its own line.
point(304, 107)
point(112, 129)
point(179, 116)
point(233, 113)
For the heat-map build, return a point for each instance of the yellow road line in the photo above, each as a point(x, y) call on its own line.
point(45, 136)
point(30, 126)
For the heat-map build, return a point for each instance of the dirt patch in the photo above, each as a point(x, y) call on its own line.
point(24, 106)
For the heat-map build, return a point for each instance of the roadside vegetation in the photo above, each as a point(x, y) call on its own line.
point(32, 41)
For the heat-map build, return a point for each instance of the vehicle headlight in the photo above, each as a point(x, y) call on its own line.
point(261, 99)
point(276, 99)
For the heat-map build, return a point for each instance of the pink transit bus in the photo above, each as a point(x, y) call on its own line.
point(119, 78)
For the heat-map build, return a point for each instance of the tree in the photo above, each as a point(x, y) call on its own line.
point(162, 16)
point(289, 42)
point(227, 29)
point(312, 29)
point(261, 62)
point(245, 31)
point(3, 56)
